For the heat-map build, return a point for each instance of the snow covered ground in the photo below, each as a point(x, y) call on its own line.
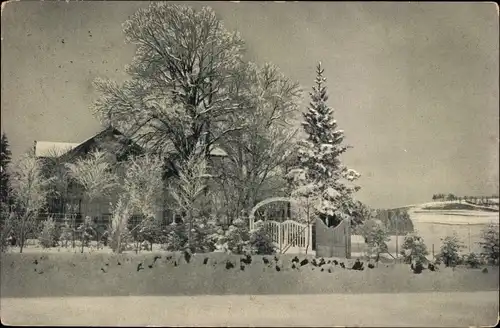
point(456, 309)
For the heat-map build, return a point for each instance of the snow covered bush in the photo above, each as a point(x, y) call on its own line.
point(86, 230)
point(414, 249)
point(236, 239)
point(66, 233)
point(490, 244)
point(176, 237)
point(472, 260)
point(148, 230)
point(449, 253)
point(48, 235)
point(261, 241)
point(203, 236)
point(376, 237)
point(8, 230)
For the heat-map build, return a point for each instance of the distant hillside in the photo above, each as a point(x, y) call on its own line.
point(403, 218)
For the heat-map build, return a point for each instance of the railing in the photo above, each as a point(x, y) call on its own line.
point(289, 234)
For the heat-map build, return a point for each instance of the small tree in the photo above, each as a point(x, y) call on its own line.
point(414, 249)
point(450, 249)
point(48, 234)
point(189, 187)
point(29, 188)
point(9, 228)
point(376, 237)
point(176, 238)
point(148, 230)
point(472, 260)
point(87, 231)
point(490, 244)
point(118, 232)
point(361, 214)
point(144, 185)
point(66, 232)
point(204, 235)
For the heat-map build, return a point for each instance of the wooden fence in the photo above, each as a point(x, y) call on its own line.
point(333, 241)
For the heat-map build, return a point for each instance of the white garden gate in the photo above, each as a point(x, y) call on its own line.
point(289, 236)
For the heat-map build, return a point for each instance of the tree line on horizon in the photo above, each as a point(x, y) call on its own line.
point(486, 200)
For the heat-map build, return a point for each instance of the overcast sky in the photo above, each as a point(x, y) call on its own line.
point(414, 85)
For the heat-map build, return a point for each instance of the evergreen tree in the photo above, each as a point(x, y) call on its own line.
point(321, 178)
point(5, 158)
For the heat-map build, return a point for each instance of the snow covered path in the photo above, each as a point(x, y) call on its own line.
point(418, 309)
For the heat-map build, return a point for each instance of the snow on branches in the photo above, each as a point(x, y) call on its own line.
point(182, 80)
point(320, 175)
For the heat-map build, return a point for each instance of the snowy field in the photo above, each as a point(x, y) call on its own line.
point(435, 224)
point(382, 310)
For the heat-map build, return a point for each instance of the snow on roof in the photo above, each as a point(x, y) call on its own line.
point(52, 149)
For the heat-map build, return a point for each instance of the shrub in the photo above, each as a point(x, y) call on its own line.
point(261, 241)
point(66, 233)
point(414, 249)
point(48, 234)
point(450, 249)
point(204, 236)
point(176, 237)
point(472, 260)
point(8, 230)
point(236, 239)
point(418, 267)
point(376, 237)
point(490, 244)
point(148, 230)
point(125, 239)
point(86, 230)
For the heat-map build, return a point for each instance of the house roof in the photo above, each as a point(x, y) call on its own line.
point(56, 149)
point(53, 149)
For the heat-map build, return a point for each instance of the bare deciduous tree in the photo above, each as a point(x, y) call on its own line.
point(29, 186)
point(95, 175)
point(181, 87)
point(258, 152)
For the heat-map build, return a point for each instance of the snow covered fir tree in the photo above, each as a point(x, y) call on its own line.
point(320, 180)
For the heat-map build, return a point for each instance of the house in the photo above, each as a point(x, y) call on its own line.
point(119, 147)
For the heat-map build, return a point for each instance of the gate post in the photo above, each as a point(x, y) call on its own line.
point(309, 236)
point(280, 237)
point(347, 236)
